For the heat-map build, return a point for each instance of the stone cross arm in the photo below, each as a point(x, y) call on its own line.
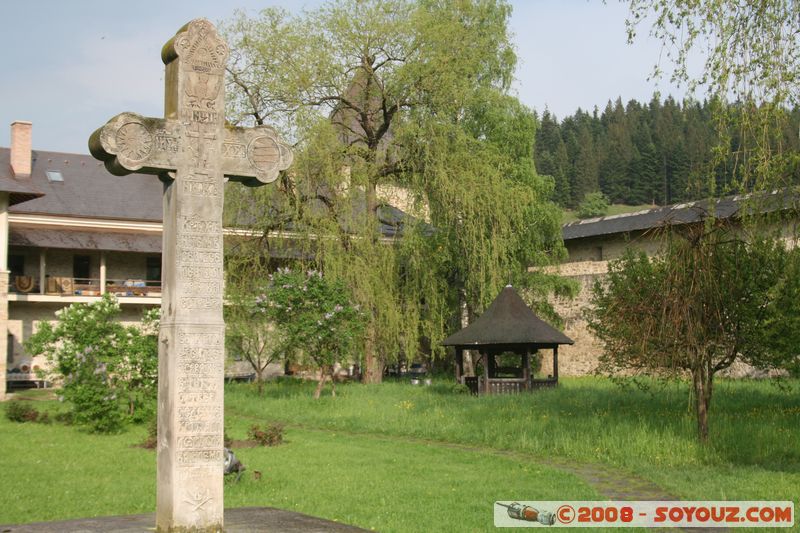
point(132, 143)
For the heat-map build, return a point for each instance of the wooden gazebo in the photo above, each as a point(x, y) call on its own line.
point(507, 325)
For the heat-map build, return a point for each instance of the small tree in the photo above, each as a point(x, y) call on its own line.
point(594, 204)
point(317, 317)
point(108, 371)
point(251, 334)
point(706, 302)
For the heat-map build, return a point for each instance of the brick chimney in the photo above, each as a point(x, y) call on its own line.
point(21, 148)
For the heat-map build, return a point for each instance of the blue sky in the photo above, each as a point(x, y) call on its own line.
point(58, 70)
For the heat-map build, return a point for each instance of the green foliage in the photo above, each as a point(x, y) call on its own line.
point(151, 441)
point(250, 335)
point(21, 411)
point(270, 434)
point(450, 388)
point(594, 204)
point(707, 301)
point(750, 57)
point(108, 371)
point(398, 95)
point(782, 322)
point(316, 315)
point(661, 152)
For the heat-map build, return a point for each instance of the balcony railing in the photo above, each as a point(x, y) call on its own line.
point(66, 286)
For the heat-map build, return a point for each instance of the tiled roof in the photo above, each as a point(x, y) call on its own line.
point(674, 214)
point(88, 190)
point(19, 190)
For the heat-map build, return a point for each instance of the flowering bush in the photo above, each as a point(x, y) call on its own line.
point(108, 371)
point(317, 317)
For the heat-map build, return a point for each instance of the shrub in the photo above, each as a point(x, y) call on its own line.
point(269, 435)
point(459, 388)
point(594, 204)
point(450, 388)
point(64, 417)
point(18, 411)
point(317, 317)
point(108, 371)
point(151, 440)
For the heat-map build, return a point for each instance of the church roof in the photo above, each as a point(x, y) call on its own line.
point(508, 320)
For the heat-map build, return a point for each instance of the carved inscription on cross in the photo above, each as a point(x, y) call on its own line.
point(194, 152)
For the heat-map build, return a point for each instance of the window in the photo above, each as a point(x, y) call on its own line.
point(153, 271)
point(54, 175)
point(81, 267)
point(16, 264)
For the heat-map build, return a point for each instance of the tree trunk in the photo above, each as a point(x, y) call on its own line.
point(373, 366)
point(323, 376)
point(260, 381)
point(702, 379)
point(466, 315)
point(469, 363)
point(333, 382)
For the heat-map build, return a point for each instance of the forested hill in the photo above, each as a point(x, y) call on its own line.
point(638, 153)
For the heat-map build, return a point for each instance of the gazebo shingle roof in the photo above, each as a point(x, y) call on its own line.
point(508, 320)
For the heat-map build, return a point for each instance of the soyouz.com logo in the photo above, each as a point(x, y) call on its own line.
point(517, 513)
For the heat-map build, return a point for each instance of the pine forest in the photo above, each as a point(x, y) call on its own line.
point(657, 153)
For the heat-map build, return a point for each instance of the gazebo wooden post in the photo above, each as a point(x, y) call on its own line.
point(459, 364)
point(555, 363)
point(526, 368)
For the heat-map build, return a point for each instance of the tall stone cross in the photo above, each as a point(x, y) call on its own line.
point(194, 153)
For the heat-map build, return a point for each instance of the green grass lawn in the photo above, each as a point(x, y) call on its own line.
point(381, 457)
point(755, 428)
point(61, 472)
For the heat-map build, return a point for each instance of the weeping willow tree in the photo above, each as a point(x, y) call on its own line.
point(396, 103)
point(745, 56)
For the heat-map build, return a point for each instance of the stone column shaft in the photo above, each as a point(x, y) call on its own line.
point(192, 336)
